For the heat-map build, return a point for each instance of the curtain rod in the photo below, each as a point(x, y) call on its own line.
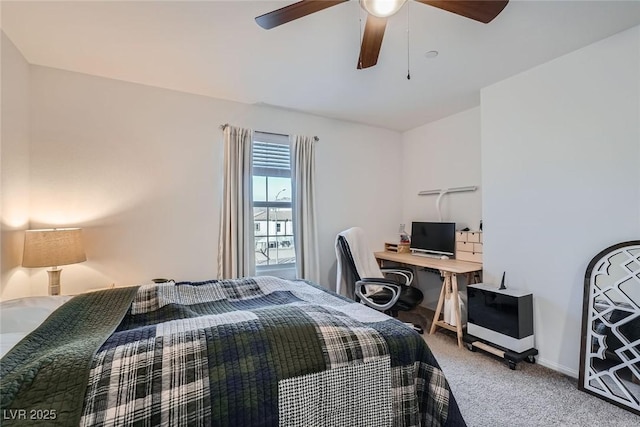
point(224, 126)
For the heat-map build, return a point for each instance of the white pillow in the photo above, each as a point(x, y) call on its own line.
point(7, 341)
point(23, 315)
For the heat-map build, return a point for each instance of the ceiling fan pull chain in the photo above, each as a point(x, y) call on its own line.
point(408, 50)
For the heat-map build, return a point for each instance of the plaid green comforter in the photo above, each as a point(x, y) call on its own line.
point(262, 351)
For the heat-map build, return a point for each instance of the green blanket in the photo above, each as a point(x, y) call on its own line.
point(44, 377)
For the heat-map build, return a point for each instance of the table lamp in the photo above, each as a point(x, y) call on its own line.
point(52, 248)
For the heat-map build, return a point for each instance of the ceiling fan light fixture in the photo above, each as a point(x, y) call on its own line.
point(382, 8)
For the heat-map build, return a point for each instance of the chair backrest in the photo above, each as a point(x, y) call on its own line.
point(362, 258)
point(346, 254)
point(355, 261)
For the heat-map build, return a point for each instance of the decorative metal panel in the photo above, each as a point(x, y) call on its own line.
point(610, 353)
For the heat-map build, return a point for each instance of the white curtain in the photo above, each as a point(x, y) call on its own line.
point(236, 252)
point(303, 203)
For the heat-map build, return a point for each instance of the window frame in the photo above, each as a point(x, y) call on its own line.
point(286, 269)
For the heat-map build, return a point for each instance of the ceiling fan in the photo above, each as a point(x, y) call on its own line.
point(378, 11)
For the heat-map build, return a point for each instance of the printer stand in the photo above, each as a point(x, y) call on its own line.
point(509, 356)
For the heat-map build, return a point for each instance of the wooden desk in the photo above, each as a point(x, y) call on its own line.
point(449, 269)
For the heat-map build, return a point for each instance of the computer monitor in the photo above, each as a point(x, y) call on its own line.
point(438, 238)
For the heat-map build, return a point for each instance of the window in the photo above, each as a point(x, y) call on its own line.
point(272, 214)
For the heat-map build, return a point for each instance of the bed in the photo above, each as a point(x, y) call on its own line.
point(251, 351)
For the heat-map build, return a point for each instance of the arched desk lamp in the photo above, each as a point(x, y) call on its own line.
point(52, 248)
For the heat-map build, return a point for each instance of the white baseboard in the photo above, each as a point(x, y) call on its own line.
point(554, 366)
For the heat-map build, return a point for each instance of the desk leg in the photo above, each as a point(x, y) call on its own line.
point(436, 317)
point(449, 286)
point(473, 277)
point(456, 308)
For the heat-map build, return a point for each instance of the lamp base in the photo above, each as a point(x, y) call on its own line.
point(54, 281)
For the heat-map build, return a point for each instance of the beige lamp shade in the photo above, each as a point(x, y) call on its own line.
point(53, 247)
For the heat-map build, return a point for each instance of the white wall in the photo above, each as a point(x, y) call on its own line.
point(438, 155)
point(14, 169)
point(560, 173)
point(139, 168)
point(443, 154)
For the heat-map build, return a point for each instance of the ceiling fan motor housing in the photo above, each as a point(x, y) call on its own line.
point(382, 8)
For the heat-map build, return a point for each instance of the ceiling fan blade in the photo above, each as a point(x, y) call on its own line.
point(371, 41)
point(293, 12)
point(478, 10)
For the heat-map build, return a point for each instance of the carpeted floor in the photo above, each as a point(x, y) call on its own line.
point(492, 395)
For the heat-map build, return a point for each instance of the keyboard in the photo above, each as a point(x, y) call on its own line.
point(426, 255)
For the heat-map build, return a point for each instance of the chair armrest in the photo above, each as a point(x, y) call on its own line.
point(391, 285)
point(404, 272)
point(380, 281)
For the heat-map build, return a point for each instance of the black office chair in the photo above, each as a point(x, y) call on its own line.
point(381, 293)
